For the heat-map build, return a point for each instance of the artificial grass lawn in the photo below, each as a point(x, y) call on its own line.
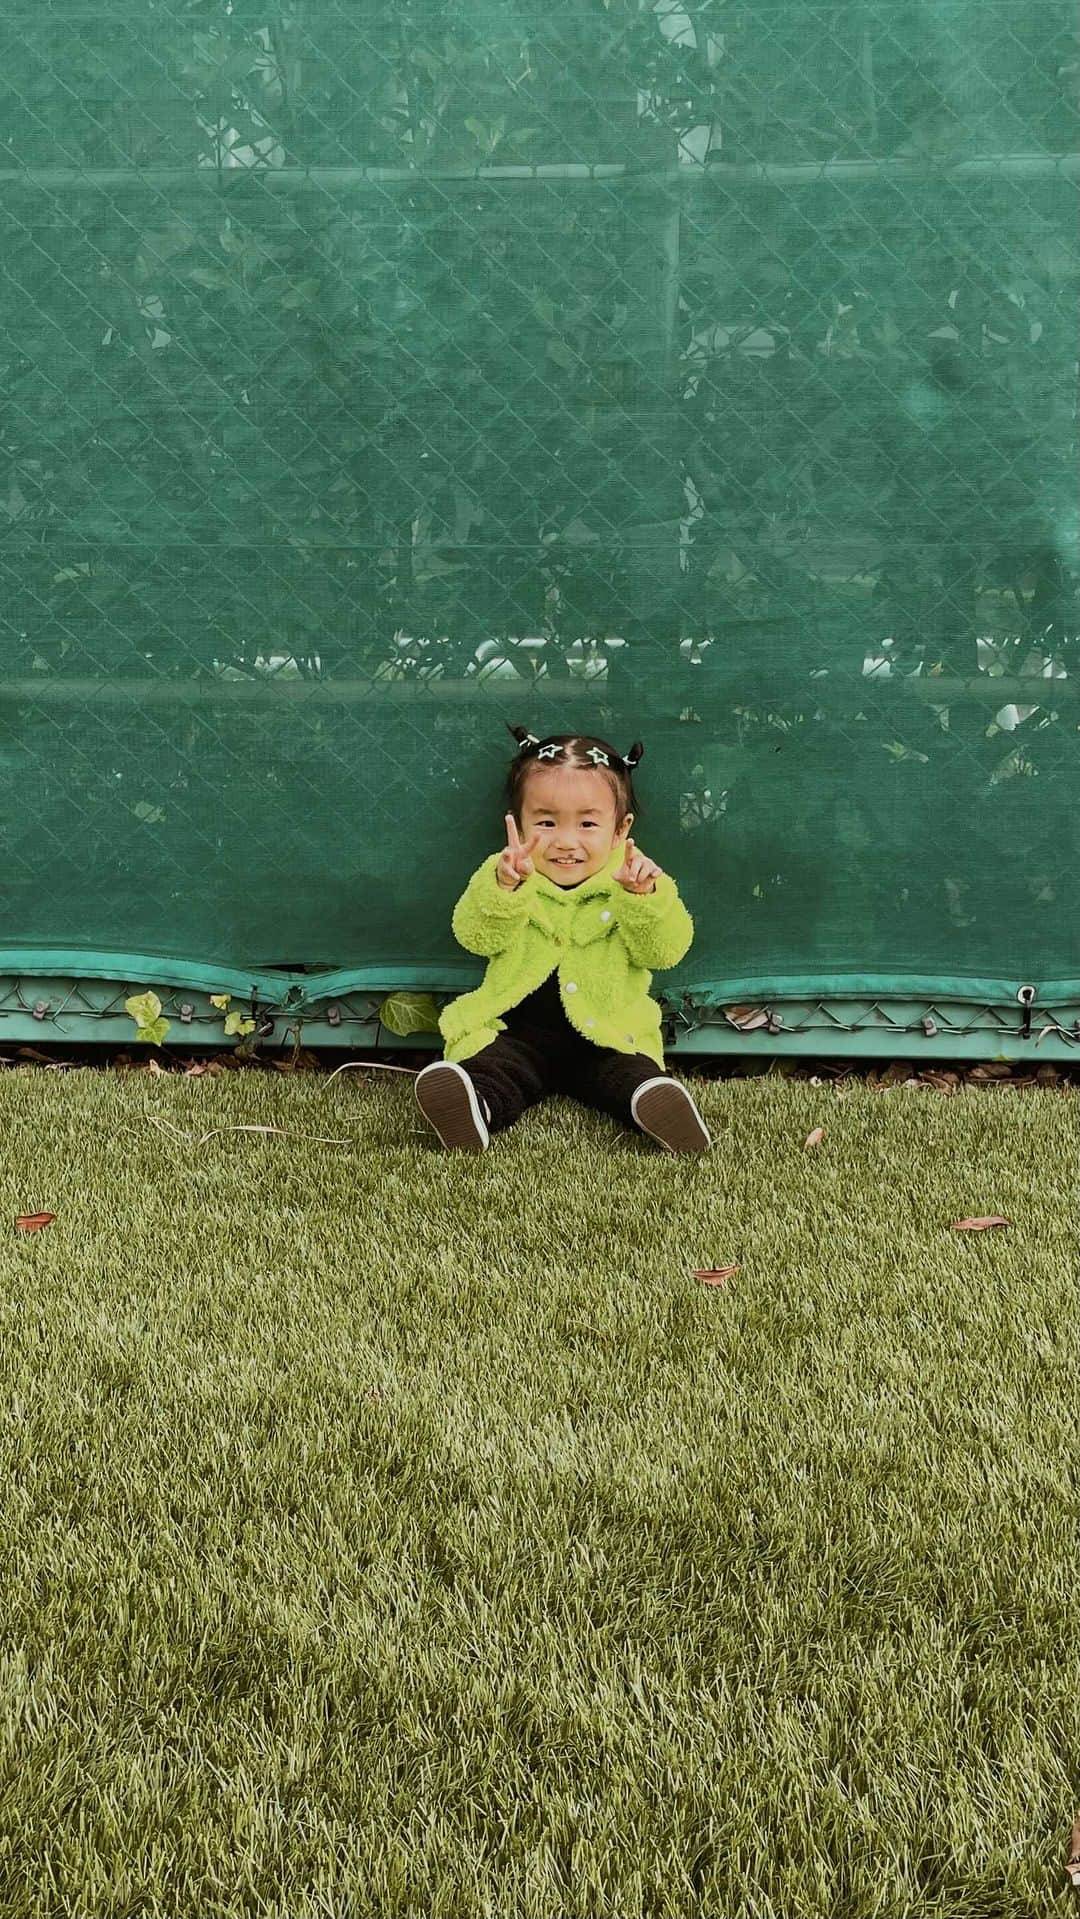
point(396, 1533)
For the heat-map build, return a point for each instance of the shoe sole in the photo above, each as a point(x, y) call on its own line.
point(446, 1098)
point(668, 1113)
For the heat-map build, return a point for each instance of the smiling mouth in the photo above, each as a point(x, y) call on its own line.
point(556, 862)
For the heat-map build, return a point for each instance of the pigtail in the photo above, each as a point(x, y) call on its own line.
point(631, 758)
point(524, 738)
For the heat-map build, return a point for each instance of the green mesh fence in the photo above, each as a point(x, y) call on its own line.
point(373, 374)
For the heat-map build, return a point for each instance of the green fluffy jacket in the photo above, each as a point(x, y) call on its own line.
point(603, 941)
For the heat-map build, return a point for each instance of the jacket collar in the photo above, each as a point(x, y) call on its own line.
point(601, 882)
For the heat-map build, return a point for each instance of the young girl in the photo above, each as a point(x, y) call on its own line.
point(571, 919)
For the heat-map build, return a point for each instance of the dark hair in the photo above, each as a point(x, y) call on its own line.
point(576, 750)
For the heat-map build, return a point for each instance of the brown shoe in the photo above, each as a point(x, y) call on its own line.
point(664, 1109)
point(449, 1102)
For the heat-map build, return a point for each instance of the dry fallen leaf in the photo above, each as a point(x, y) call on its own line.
point(1073, 1867)
point(979, 1225)
point(747, 1019)
point(815, 1138)
point(716, 1275)
point(943, 1082)
point(895, 1074)
point(33, 1222)
point(153, 1067)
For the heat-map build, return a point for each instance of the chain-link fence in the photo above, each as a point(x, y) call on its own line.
point(374, 374)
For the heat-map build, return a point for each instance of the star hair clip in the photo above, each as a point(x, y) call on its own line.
point(549, 752)
point(598, 757)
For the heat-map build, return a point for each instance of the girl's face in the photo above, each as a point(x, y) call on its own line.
point(573, 810)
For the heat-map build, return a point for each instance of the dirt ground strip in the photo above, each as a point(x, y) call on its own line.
point(940, 1076)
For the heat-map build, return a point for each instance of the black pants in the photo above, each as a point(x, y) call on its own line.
point(528, 1063)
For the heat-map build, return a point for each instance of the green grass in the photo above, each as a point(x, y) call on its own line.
point(393, 1533)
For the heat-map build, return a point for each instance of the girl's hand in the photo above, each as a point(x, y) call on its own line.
point(515, 863)
point(637, 874)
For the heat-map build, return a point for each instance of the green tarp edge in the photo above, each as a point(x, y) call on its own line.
point(310, 989)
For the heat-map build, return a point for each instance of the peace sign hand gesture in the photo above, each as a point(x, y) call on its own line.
point(637, 874)
point(515, 862)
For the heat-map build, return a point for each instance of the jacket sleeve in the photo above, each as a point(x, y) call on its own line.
point(488, 917)
point(656, 926)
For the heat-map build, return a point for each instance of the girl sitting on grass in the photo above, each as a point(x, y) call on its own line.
point(572, 919)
